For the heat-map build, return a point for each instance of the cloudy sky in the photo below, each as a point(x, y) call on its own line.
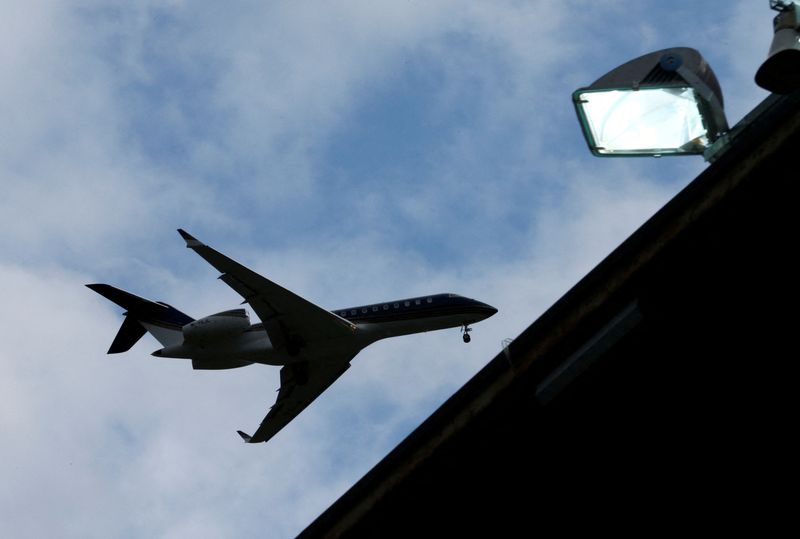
point(352, 151)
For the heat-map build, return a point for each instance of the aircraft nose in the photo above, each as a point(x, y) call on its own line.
point(489, 310)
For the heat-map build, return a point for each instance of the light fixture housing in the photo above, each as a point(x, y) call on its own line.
point(780, 72)
point(667, 102)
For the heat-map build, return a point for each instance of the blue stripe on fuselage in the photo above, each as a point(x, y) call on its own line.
point(439, 305)
point(415, 308)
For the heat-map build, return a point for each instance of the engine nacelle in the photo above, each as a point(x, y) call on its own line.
point(217, 327)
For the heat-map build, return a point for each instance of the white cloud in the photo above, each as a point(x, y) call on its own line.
point(122, 123)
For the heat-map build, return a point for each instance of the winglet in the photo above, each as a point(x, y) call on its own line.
point(246, 437)
point(191, 241)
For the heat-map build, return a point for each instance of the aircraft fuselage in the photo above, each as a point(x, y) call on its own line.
point(371, 323)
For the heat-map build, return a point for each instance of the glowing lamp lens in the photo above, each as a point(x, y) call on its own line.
point(647, 121)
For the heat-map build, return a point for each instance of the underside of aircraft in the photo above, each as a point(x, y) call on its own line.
point(313, 346)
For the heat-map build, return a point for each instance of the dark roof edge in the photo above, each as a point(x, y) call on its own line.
point(777, 117)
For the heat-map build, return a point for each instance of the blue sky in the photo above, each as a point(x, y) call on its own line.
point(352, 151)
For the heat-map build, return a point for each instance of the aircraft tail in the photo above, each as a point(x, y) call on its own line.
point(163, 321)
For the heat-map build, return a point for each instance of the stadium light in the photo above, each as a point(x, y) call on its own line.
point(667, 102)
point(780, 72)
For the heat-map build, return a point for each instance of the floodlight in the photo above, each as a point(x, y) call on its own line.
point(780, 72)
point(667, 102)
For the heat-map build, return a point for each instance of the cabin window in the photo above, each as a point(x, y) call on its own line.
point(407, 303)
point(354, 311)
point(343, 313)
point(385, 306)
point(417, 302)
point(396, 305)
point(429, 300)
point(374, 308)
point(364, 310)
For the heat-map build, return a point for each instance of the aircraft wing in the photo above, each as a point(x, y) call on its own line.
point(288, 318)
point(301, 383)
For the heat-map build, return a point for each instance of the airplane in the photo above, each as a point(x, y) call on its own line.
point(313, 346)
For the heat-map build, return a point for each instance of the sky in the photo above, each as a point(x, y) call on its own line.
point(354, 152)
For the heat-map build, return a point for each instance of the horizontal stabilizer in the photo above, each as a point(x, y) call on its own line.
point(246, 437)
point(129, 333)
point(141, 308)
point(126, 300)
point(163, 321)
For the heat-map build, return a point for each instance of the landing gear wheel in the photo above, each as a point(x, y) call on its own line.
point(465, 330)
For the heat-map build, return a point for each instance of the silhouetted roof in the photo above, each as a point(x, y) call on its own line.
point(656, 390)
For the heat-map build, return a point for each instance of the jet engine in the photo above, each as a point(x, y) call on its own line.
point(217, 327)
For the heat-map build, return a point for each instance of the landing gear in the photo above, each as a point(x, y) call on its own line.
point(465, 330)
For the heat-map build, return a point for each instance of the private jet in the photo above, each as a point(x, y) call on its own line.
point(313, 346)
